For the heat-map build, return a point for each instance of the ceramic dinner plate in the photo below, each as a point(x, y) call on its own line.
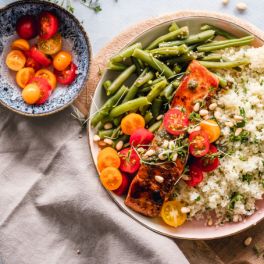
point(190, 229)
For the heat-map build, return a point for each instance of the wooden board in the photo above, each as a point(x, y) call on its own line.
point(229, 250)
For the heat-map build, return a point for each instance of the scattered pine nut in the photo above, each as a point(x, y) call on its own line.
point(96, 138)
point(185, 177)
point(229, 124)
point(162, 156)
point(196, 107)
point(203, 112)
point(225, 2)
point(210, 222)
point(159, 117)
point(159, 179)
point(150, 152)
point(185, 210)
point(248, 241)
point(108, 126)
point(119, 145)
point(174, 157)
point(241, 6)
point(206, 117)
point(217, 115)
point(238, 131)
point(108, 141)
point(212, 106)
point(238, 118)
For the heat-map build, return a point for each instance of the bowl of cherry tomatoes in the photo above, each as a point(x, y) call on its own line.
point(44, 58)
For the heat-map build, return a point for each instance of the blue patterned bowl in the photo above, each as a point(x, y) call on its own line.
point(75, 40)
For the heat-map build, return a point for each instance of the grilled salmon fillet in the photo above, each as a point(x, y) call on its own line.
point(146, 195)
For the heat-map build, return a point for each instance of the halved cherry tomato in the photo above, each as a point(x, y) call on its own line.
point(15, 60)
point(45, 89)
point(26, 27)
point(20, 44)
point(49, 25)
point(62, 60)
point(124, 185)
point(196, 175)
point(50, 46)
point(131, 123)
point(171, 213)
point(141, 136)
point(199, 143)
point(24, 75)
point(39, 57)
point(130, 161)
point(111, 178)
point(210, 162)
point(211, 128)
point(31, 62)
point(175, 122)
point(31, 93)
point(67, 76)
point(49, 76)
point(108, 157)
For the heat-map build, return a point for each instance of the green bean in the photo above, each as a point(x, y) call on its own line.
point(170, 51)
point(212, 57)
point(177, 68)
point(155, 126)
point(168, 91)
point(126, 53)
point(156, 107)
point(116, 66)
point(108, 105)
point(107, 84)
point(192, 39)
point(183, 58)
point(138, 64)
point(148, 117)
point(222, 81)
point(121, 79)
point(173, 27)
point(225, 44)
point(105, 133)
point(117, 120)
point(129, 106)
point(156, 90)
point(153, 62)
point(179, 33)
point(145, 89)
point(224, 65)
point(218, 31)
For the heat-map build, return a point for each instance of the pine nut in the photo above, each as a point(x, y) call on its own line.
point(185, 177)
point(235, 218)
point(140, 150)
point(212, 106)
point(171, 145)
point(238, 131)
point(96, 138)
point(150, 152)
point(108, 141)
point(159, 117)
point(159, 179)
point(185, 210)
point(241, 6)
point(162, 156)
point(225, 2)
point(108, 126)
point(238, 118)
point(206, 117)
point(203, 112)
point(165, 144)
point(174, 157)
point(229, 124)
point(217, 115)
point(119, 145)
point(210, 222)
point(196, 107)
point(248, 241)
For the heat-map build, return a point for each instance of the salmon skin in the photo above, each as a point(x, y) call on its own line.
point(146, 195)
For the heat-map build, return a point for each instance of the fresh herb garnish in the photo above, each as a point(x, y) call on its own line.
point(247, 178)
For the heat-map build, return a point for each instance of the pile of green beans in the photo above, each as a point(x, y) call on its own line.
point(149, 76)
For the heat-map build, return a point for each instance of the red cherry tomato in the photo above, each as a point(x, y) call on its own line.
point(175, 121)
point(49, 25)
point(124, 185)
point(209, 162)
point(26, 27)
point(141, 136)
point(130, 161)
point(199, 143)
point(196, 175)
point(39, 57)
point(45, 89)
point(30, 62)
point(67, 76)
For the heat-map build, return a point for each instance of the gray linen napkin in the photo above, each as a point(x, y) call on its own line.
point(52, 206)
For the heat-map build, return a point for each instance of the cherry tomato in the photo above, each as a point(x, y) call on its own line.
point(62, 60)
point(171, 213)
point(210, 162)
point(67, 76)
point(196, 175)
point(175, 122)
point(39, 57)
point(132, 122)
point(199, 143)
point(49, 25)
point(50, 46)
point(45, 89)
point(24, 75)
point(111, 178)
point(49, 76)
point(124, 185)
point(15, 60)
point(211, 128)
point(141, 136)
point(26, 27)
point(31, 93)
point(130, 161)
point(20, 44)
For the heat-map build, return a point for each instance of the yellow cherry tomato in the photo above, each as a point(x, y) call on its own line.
point(20, 44)
point(24, 75)
point(111, 178)
point(15, 60)
point(31, 93)
point(49, 76)
point(50, 46)
point(62, 60)
point(131, 123)
point(171, 213)
point(211, 128)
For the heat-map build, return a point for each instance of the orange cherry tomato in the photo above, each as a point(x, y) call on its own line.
point(31, 93)
point(50, 46)
point(131, 123)
point(24, 75)
point(15, 60)
point(111, 178)
point(49, 76)
point(108, 157)
point(62, 60)
point(211, 128)
point(20, 44)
